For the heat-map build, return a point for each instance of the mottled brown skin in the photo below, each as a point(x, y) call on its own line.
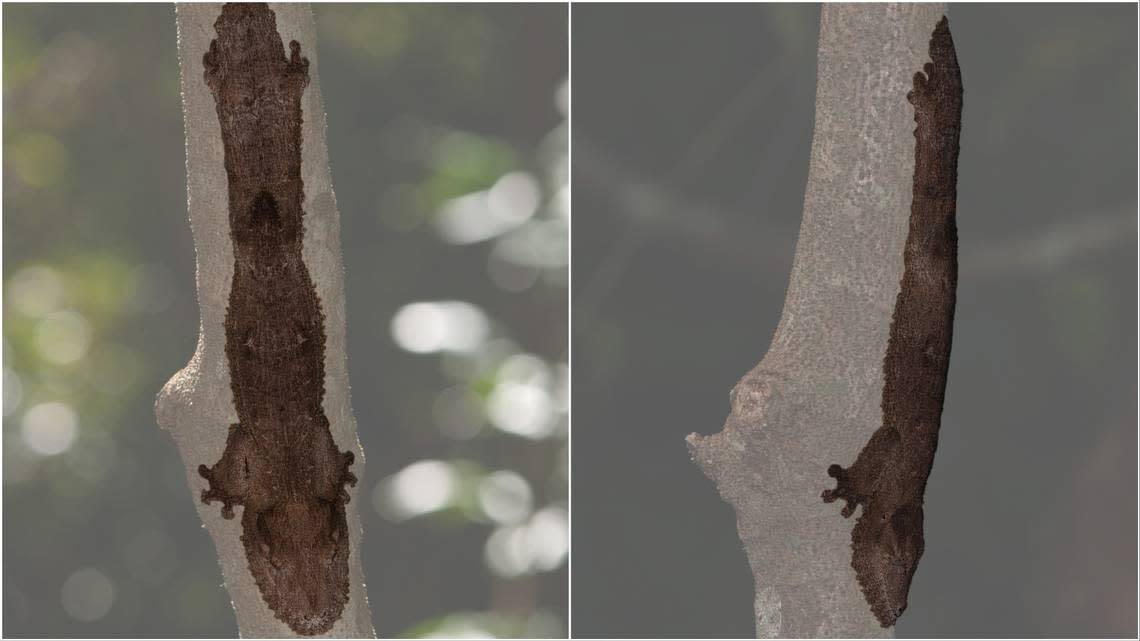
point(889, 476)
point(280, 461)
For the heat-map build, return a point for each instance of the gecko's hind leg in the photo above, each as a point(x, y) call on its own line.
point(215, 493)
point(856, 484)
point(227, 484)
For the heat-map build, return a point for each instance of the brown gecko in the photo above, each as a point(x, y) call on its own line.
point(280, 462)
point(889, 476)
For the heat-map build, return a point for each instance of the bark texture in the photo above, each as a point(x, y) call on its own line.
point(197, 406)
point(815, 396)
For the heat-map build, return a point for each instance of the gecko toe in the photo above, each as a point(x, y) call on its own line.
point(843, 490)
point(919, 90)
point(210, 66)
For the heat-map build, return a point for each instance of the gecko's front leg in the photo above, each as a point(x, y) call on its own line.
point(229, 478)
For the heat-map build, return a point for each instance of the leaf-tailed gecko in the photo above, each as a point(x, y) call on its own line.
point(889, 476)
point(280, 462)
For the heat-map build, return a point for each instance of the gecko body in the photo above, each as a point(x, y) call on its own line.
point(888, 478)
point(280, 461)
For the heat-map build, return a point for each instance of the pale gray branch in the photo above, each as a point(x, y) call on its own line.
point(196, 405)
point(814, 398)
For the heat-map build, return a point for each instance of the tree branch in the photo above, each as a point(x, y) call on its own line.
point(814, 398)
point(196, 405)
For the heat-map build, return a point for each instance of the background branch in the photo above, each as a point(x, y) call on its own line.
point(737, 238)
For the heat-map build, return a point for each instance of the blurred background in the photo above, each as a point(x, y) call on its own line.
point(692, 131)
point(448, 144)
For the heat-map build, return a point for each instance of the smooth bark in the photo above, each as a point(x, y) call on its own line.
point(813, 400)
point(196, 405)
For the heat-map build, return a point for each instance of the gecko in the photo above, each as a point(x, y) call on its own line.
point(888, 478)
point(280, 461)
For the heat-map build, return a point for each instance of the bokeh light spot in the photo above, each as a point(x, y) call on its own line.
point(49, 428)
point(548, 535)
point(505, 497)
point(439, 326)
point(525, 368)
point(13, 391)
point(87, 595)
point(521, 403)
point(514, 197)
point(459, 627)
point(537, 244)
point(562, 98)
point(562, 387)
point(63, 337)
point(505, 551)
point(540, 545)
point(481, 215)
point(522, 409)
point(35, 291)
point(422, 487)
point(560, 204)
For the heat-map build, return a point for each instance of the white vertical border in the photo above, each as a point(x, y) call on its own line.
point(570, 319)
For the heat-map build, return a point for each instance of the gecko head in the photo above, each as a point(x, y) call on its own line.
point(886, 561)
point(239, 24)
point(298, 554)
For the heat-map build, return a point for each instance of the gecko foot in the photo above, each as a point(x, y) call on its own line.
point(843, 490)
point(297, 67)
point(347, 478)
point(210, 63)
point(212, 494)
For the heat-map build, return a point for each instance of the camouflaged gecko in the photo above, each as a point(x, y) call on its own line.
point(280, 463)
point(889, 476)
